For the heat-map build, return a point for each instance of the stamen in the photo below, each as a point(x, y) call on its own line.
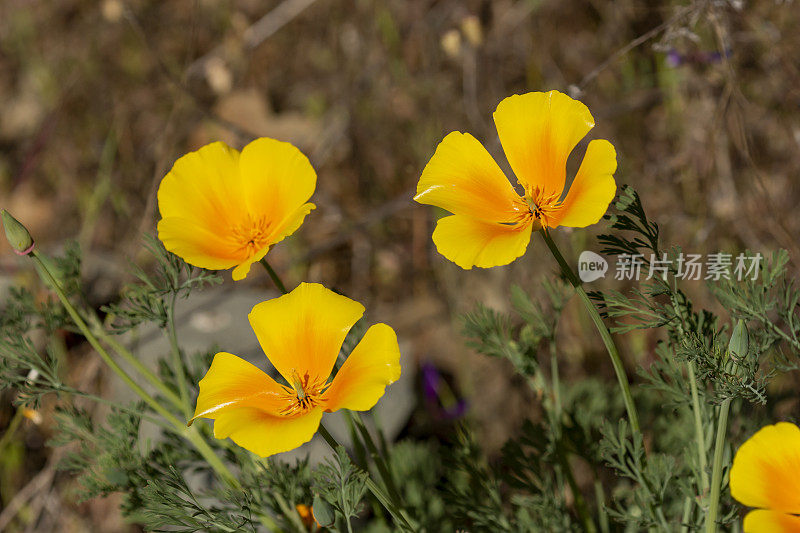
point(252, 234)
point(304, 394)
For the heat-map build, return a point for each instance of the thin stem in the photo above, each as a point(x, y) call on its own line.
point(177, 360)
point(556, 383)
point(98, 347)
point(687, 513)
point(134, 361)
point(116, 405)
point(11, 429)
point(600, 498)
point(716, 472)
point(700, 437)
point(699, 433)
point(177, 426)
point(580, 503)
point(373, 487)
point(287, 511)
point(377, 458)
point(273, 275)
point(616, 360)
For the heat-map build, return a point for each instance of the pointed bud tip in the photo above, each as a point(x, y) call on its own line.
point(740, 340)
point(18, 236)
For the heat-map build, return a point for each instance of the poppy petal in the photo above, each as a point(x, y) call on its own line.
point(204, 186)
point(277, 179)
point(372, 365)
point(766, 468)
point(198, 245)
point(592, 189)
point(468, 242)
point(462, 178)
point(763, 521)
point(265, 434)
point(288, 226)
point(292, 221)
point(538, 131)
point(302, 332)
point(233, 383)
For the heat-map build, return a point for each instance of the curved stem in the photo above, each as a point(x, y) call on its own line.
point(99, 399)
point(273, 275)
point(616, 360)
point(716, 472)
point(377, 458)
point(177, 426)
point(132, 360)
point(177, 360)
point(373, 487)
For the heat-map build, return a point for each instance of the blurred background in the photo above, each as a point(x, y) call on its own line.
point(99, 97)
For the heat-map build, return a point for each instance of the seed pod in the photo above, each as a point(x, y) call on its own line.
point(17, 235)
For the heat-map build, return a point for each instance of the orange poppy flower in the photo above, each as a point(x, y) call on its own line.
point(301, 333)
point(222, 209)
point(491, 223)
point(766, 475)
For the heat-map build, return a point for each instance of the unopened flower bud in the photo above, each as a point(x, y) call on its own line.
point(740, 341)
point(323, 512)
point(17, 235)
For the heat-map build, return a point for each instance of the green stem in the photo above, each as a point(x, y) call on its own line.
point(274, 276)
point(99, 399)
point(132, 360)
point(580, 503)
point(563, 456)
point(10, 430)
point(616, 360)
point(290, 514)
point(716, 472)
point(177, 360)
point(377, 458)
point(687, 513)
point(177, 426)
point(600, 498)
point(373, 487)
point(699, 433)
point(700, 437)
point(556, 383)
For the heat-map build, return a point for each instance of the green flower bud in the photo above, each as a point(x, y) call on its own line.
point(17, 235)
point(323, 512)
point(740, 341)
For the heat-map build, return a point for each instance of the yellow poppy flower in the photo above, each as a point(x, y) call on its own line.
point(301, 333)
point(222, 209)
point(491, 223)
point(766, 475)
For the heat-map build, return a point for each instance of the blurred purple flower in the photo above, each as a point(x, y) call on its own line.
point(676, 59)
point(439, 395)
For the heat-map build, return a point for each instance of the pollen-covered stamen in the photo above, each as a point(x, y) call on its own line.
point(541, 205)
point(304, 394)
point(252, 234)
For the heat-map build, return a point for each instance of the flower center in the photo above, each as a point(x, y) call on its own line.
point(251, 235)
point(541, 205)
point(304, 394)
